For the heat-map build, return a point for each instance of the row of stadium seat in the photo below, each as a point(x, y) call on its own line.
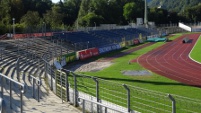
point(99, 38)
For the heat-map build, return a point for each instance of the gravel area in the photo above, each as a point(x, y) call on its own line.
point(90, 66)
point(98, 65)
point(137, 73)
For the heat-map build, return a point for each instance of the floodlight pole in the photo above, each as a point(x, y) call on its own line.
point(145, 14)
point(44, 28)
point(95, 24)
point(87, 44)
point(13, 27)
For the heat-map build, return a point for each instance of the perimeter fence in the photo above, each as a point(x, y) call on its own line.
point(93, 94)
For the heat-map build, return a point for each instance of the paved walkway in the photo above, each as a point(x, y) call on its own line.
point(49, 102)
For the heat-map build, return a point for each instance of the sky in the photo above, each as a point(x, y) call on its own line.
point(55, 1)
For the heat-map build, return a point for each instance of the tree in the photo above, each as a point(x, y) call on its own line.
point(70, 11)
point(53, 18)
point(17, 9)
point(91, 19)
point(5, 18)
point(31, 21)
point(132, 11)
point(158, 15)
point(193, 14)
point(31, 18)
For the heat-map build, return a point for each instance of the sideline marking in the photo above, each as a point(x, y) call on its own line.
point(189, 55)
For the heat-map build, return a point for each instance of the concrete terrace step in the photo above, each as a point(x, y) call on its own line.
point(49, 102)
point(31, 69)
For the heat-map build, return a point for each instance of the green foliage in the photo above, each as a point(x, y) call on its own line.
point(174, 5)
point(129, 9)
point(157, 15)
point(53, 18)
point(31, 19)
point(90, 19)
point(66, 14)
point(84, 8)
point(4, 12)
point(132, 11)
point(2, 28)
point(71, 8)
point(19, 28)
point(193, 13)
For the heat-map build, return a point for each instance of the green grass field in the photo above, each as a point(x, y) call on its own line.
point(154, 82)
point(196, 50)
point(148, 93)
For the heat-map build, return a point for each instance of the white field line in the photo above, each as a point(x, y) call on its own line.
point(189, 55)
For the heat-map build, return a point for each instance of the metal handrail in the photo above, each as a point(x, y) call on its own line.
point(22, 88)
point(98, 103)
point(10, 79)
point(36, 81)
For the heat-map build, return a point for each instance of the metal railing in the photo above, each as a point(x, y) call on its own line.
point(109, 93)
point(25, 56)
point(120, 96)
point(83, 102)
point(12, 82)
point(36, 82)
point(70, 87)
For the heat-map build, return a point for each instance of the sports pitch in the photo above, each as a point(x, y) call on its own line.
point(153, 82)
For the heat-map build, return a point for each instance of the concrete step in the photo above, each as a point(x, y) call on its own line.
point(49, 102)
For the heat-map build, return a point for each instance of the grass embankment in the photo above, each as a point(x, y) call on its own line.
point(154, 82)
point(195, 53)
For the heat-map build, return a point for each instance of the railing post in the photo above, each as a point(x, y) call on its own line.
point(23, 75)
point(18, 53)
point(27, 56)
point(1, 53)
point(67, 87)
point(33, 88)
point(97, 93)
point(45, 69)
point(61, 86)
point(21, 98)
point(18, 69)
point(39, 84)
point(75, 90)
point(2, 85)
point(10, 94)
point(51, 73)
point(38, 67)
point(83, 106)
point(105, 110)
point(173, 103)
point(128, 97)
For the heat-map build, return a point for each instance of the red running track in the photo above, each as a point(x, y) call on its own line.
point(172, 61)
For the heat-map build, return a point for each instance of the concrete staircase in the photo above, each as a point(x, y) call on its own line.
point(29, 52)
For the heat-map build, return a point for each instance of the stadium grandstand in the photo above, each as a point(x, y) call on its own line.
point(32, 62)
point(100, 38)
